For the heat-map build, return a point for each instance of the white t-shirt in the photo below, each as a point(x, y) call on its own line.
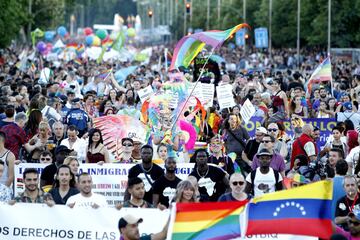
point(353, 157)
point(263, 183)
point(80, 147)
point(81, 201)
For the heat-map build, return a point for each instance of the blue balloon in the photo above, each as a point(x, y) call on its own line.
point(89, 40)
point(49, 36)
point(61, 31)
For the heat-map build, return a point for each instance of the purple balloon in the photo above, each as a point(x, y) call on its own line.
point(41, 46)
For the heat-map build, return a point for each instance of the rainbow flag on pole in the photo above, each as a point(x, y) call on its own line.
point(103, 75)
point(190, 46)
point(303, 210)
point(321, 74)
point(211, 221)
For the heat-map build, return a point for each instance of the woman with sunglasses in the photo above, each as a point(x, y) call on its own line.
point(97, 151)
point(237, 185)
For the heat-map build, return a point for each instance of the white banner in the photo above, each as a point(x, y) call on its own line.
point(225, 96)
point(25, 221)
point(109, 180)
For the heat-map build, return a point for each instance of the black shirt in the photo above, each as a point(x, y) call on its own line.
point(211, 184)
point(224, 162)
point(58, 199)
point(153, 174)
point(48, 174)
point(251, 149)
point(343, 206)
point(164, 187)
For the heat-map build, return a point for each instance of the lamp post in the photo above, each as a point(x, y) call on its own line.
point(329, 27)
point(270, 15)
point(298, 34)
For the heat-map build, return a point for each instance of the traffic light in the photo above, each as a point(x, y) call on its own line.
point(188, 5)
point(150, 13)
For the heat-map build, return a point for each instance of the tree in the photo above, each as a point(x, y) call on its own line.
point(12, 18)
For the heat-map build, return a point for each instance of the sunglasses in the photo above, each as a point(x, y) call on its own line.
point(45, 159)
point(355, 223)
point(272, 130)
point(238, 183)
point(128, 145)
point(266, 141)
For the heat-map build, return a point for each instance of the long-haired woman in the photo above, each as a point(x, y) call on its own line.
point(185, 192)
point(97, 152)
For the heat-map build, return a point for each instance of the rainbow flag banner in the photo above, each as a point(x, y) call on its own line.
point(321, 74)
point(304, 210)
point(103, 75)
point(211, 221)
point(190, 46)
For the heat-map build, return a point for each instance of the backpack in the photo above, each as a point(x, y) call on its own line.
point(253, 175)
point(50, 118)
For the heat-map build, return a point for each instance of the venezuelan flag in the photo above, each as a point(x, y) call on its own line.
point(303, 210)
point(211, 221)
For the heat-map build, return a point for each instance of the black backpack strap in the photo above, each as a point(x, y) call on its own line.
point(252, 177)
point(277, 185)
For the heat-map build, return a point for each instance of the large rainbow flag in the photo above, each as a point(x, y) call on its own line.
point(322, 73)
point(211, 221)
point(304, 210)
point(190, 46)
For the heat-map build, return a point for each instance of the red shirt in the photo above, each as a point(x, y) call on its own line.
point(15, 138)
point(298, 148)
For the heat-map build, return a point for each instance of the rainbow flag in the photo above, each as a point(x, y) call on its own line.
point(211, 221)
point(72, 47)
point(80, 49)
point(103, 75)
point(304, 210)
point(321, 74)
point(189, 46)
point(78, 61)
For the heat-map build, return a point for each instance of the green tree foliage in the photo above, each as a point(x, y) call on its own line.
point(12, 17)
point(345, 30)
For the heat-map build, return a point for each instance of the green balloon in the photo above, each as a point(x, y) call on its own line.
point(101, 33)
point(131, 32)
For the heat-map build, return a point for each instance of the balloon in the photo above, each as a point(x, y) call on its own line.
point(96, 41)
point(131, 32)
point(101, 33)
point(49, 46)
point(61, 31)
point(41, 46)
point(88, 31)
point(89, 40)
point(49, 36)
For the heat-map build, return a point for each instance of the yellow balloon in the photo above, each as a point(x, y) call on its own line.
point(96, 41)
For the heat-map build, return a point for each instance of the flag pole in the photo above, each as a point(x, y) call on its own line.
point(192, 91)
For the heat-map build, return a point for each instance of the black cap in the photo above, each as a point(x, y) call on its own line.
point(75, 100)
point(264, 152)
point(61, 148)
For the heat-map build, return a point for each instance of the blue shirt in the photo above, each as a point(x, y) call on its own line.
point(338, 192)
point(77, 117)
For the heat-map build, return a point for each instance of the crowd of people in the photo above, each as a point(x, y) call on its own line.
point(52, 122)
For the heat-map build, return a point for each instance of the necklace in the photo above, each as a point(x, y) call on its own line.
point(147, 171)
point(202, 176)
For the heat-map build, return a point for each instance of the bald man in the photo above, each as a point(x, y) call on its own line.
point(237, 185)
point(304, 145)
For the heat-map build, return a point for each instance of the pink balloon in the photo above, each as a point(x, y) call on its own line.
point(88, 31)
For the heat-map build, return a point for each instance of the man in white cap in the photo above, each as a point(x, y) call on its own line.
point(129, 229)
point(252, 145)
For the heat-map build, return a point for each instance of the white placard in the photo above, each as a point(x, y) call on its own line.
point(208, 94)
point(225, 96)
point(247, 111)
point(145, 93)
